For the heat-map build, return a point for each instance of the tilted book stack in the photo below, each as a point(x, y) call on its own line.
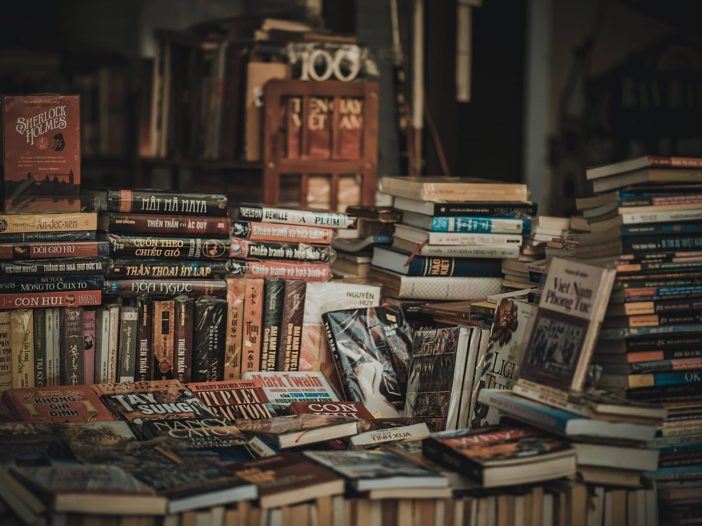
point(452, 237)
point(646, 214)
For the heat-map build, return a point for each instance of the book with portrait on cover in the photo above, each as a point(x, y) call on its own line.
point(567, 324)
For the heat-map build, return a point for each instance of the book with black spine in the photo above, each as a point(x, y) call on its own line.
point(149, 246)
point(209, 339)
point(183, 336)
point(144, 336)
point(153, 202)
point(128, 319)
point(164, 224)
point(40, 348)
point(73, 364)
point(64, 266)
point(413, 265)
point(273, 300)
point(288, 357)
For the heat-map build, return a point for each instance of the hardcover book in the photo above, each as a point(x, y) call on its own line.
point(209, 339)
point(413, 265)
point(150, 246)
point(144, 336)
point(234, 399)
point(53, 405)
point(371, 349)
point(41, 153)
point(163, 340)
point(45, 223)
point(284, 432)
point(284, 388)
point(53, 266)
point(139, 268)
point(295, 217)
point(252, 335)
point(567, 324)
point(164, 288)
point(282, 233)
point(154, 202)
point(291, 318)
point(235, 327)
point(165, 224)
point(183, 338)
point(273, 300)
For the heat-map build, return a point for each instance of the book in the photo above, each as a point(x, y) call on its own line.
point(43, 284)
point(499, 368)
point(22, 347)
point(452, 189)
point(154, 202)
point(47, 223)
point(96, 489)
point(53, 266)
point(252, 325)
point(274, 294)
point(5, 352)
point(435, 288)
point(418, 235)
point(289, 478)
point(285, 432)
point(371, 349)
point(613, 456)
point(46, 250)
point(40, 347)
point(502, 456)
point(348, 409)
point(280, 269)
point(72, 347)
point(41, 153)
point(457, 251)
point(366, 470)
point(468, 208)
point(413, 265)
point(647, 175)
point(234, 399)
point(56, 404)
point(316, 218)
point(432, 391)
point(373, 433)
point(161, 247)
point(291, 319)
point(183, 336)
point(209, 327)
point(163, 339)
point(138, 268)
point(261, 250)
point(567, 323)
point(164, 288)
point(144, 338)
point(81, 298)
point(282, 233)
point(125, 223)
point(465, 224)
point(646, 161)
point(284, 388)
point(127, 343)
point(236, 288)
point(89, 341)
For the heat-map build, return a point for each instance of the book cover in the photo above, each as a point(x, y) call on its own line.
point(273, 299)
point(47, 223)
point(567, 324)
point(284, 388)
point(235, 327)
point(261, 250)
point(89, 340)
point(150, 246)
point(144, 337)
point(183, 336)
point(371, 349)
point(155, 202)
point(41, 153)
point(58, 404)
point(165, 224)
point(139, 268)
point(288, 431)
point(163, 341)
point(72, 347)
point(295, 217)
point(348, 409)
point(22, 347)
point(234, 399)
point(252, 328)
point(5, 352)
point(499, 368)
point(282, 233)
point(290, 338)
point(209, 339)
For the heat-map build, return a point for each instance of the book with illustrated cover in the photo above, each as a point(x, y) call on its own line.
point(371, 350)
point(499, 367)
point(234, 399)
point(58, 404)
point(567, 323)
point(284, 432)
point(247, 249)
point(284, 388)
point(22, 347)
point(210, 318)
point(502, 456)
point(375, 469)
point(436, 370)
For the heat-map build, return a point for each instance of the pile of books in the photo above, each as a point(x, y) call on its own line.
point(452, 237)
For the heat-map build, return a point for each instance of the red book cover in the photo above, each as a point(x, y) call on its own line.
point(350, 128)
point(319, 127)
point(235, 400)
point(73, 298)
point(41, 153)
point(54, 405)
point(294, 127)
point(282, 233)
point(253, 318)
point(349, 409)
point(235, 328)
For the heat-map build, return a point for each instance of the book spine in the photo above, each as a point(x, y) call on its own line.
point(165, 225)
point(82, 298)
point(5, 352)
point(477, 225)
point(147, 246)
point(127, 343)
point(662, 379)
point(282, 233)
point(485, 209)
point(144, 357)
point(288, 358)
point(661, 355)
point(89, 339)
point(102, 332)
point(183, 335)
point(253, 314)
point(22, 347)
point(73, 364)
point(157, 269)
point(77, 249)
point(164, 203)
point(245, 249)
point(272, 315)
point(631, 218)
point(235, 328)
point(342, 372)
point(210, 333)
point(434, 450)
point(470, 251)
point(454, 267)
point(53, 347)
point(52, 266)
point(163, 339)
point(661, 229)
point(39, 284)
point(447, 238)
point(282, 270)
point(66, 222)
point(293, 132)
point(652, 320)
point(664, 392)
point(636, 244)
point(48, 237)
point(112, 344)
point(666, 365)
point(525, 412)
point(40, 342)
point(659, 307)
point(131, 288)
point(296, 217)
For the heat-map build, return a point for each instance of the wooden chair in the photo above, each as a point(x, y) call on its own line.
point(277, 162)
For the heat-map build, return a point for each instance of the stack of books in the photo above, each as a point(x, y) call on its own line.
point(452, 238)
point(51, 274)
point(647, 216)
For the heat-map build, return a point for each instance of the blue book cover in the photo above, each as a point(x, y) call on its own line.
point(478, 225)
point(661, 228)
point(615, 334)
point(677, 377)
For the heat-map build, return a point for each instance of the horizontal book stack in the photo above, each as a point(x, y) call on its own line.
point(452, 237)
point(165, 311)
point(646, 215)
point(51, 278)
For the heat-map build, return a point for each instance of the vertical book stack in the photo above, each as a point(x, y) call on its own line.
point(452, 237)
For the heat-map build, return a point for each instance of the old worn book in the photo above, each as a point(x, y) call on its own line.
point(502, 456)
point(284, 432)
point(375, 469)
point(453, 189)
point(5, 352)
point(371, 349)
point(284, 388)
point(234, 399)
point(236, 287)
point(22, 347)
point(375, 432)
point(252, 336)
point(289, 478)
point(567, 324)
point(78, 403)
